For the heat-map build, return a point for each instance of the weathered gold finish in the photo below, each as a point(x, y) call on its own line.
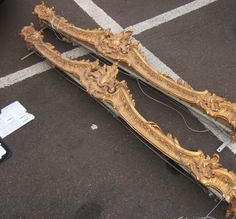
point(120, 47)
point(101, 83)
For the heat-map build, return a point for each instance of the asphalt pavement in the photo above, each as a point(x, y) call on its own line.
point(62, 168)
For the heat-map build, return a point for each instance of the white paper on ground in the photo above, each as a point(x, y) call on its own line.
point(13, 117)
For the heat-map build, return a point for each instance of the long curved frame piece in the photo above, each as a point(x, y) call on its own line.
point(101, 83)
point(120, 47)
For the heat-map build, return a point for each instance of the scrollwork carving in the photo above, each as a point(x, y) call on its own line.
point(101, 83)
point(121, 47)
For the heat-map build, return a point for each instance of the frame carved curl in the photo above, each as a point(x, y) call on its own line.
point(101, 83)
point(120, 47)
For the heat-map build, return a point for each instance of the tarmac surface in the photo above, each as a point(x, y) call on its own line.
point(62, 168)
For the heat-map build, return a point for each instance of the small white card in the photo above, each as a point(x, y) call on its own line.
point(13, 117)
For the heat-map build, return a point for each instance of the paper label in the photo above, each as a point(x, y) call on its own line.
point(13, 117)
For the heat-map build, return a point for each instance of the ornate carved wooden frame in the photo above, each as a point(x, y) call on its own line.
point(101, 83)
point(120, 47)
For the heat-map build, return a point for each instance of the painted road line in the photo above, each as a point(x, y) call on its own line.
point(94, 12)
point(37, 68)
point(168, 16)
point(106, 21)
point(101, 18)
point(99, 15)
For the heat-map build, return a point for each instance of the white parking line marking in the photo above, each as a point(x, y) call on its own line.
point(168, 16)
point(101, 18)
point(94, 11)
point(37, 68)
point(155, 62)
point(98, 15)
point(107, 22)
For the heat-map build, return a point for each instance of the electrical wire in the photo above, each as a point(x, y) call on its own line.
point(148, 145)
point(166, 105)
point(151, 148)
point(158, 101)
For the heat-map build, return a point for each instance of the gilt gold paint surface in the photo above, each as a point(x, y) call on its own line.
point(101, 83)
point(122, 48)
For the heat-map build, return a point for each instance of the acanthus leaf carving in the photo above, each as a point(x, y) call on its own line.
point(121, 47)
point(116, 45)
point(101, 83)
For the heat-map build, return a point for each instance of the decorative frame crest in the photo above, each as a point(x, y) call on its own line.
point(101, 83)
point(122, 48)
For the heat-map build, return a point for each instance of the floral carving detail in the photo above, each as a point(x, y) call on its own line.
point(121, 47)
point(211, 102)
point(101, 83)
point(101, 80)
point(116, 44)
point(44, 11)
point(30, 35)
point(207, 165)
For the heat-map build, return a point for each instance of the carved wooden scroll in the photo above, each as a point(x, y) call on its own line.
point(120, 47)
point(101, 83)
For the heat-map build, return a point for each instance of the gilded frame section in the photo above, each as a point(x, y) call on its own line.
point(101, 83)
point(122, 48)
